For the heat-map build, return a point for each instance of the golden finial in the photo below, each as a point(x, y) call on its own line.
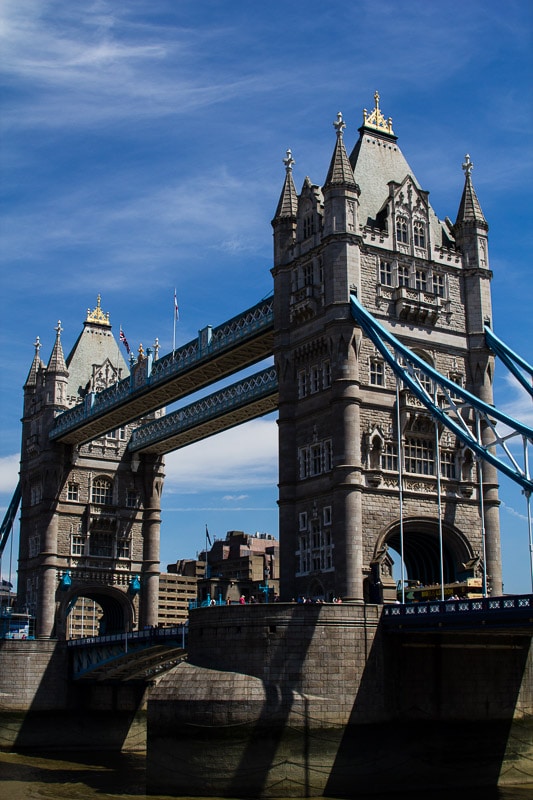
point(141, 353)
point(376, 119)
point(97, 316)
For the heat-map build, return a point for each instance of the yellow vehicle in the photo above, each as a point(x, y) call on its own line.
point(416, 592)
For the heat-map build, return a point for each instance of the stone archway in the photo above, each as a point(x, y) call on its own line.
point(422, 551)
point(118, 613)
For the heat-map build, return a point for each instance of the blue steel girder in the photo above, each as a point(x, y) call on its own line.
point(512, 360)
point(247, 399)
point(9, 518)
point(217, 353)
point(457, 409)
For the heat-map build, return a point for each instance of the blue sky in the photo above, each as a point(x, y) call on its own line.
point(141, 150)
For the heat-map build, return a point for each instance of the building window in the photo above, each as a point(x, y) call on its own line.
point(132, 498)
point(419, 234)
point(326, 374)
point(377, 373)
point(302, 383)
point(102, 492)
point(402, 234)
point(385, 273)
point(73, 492)
point(302, 521)
point(101, 544)
point(308, 274)
point(315, 379)
point(122, 434)
point(419, 456)
point(421, 280)
point(36, 493)
point(77, 547)
point(315, 460)
point(447, 464)
point(34, 546)
point(308, 226)
point(438, 285)
point(403, 276)
point(123, 548)
point(389, 457)
point(327, 515)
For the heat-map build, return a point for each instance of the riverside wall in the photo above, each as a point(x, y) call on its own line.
point(291, 700)
point(41, 708)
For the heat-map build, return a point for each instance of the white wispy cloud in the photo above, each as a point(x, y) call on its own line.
point(9, 472)
point(245, 457)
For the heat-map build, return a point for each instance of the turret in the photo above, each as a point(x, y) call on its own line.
point(284, 222)
point(340, 189)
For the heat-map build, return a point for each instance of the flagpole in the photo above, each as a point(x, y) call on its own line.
point(174, 315)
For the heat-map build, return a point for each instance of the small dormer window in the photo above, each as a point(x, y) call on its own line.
point(419, 234)
point(402, 233)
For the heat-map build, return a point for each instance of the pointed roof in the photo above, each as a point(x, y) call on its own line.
point(36, 365)
point(288, 201)
point(469, 208)
point(94, 347)
point(340, 171)
point(56, 363)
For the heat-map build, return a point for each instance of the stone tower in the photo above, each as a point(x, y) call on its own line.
point(346, 431)
point(90, 515)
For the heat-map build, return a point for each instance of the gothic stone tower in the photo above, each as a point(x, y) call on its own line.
point(370, 229)
point(90, 515)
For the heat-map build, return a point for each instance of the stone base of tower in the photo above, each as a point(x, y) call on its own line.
point(314, 700)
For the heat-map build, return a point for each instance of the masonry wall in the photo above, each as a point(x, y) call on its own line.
point(297, 700)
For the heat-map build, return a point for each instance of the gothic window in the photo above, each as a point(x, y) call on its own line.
point(419, 234)
point(102, 492)
point(302, 383)
point(326, 374)
point(403, 276)
point(402, 234)
point(77, 545)
point(315, 379)
point(421, 280)
point(308, 275)
point(132, 498)
point(308, 226)
point(101, 544)
point(419, 456)
point(438, 285)
point(447, 464)
point(316, 459)
point(73, 492)
point(385, 273)
point(302, 520)
point(123, 548)
point(377, 372)
point(389, 457)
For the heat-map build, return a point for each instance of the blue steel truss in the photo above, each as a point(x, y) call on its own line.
point(457, 409)
point(512, 360)
point(9, 518)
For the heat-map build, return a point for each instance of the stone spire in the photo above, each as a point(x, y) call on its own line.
point(469, 208)
point(288, 201)
point(57, 363)
point(340, 170)
point(36, 365)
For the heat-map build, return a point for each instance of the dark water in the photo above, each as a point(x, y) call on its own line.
point(112, 776)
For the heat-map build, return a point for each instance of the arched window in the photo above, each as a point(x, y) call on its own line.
point(419, 234)
point(402, 234)
point(102, 492)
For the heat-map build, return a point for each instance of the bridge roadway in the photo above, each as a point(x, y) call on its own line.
point(217, 353)
point(142, 655)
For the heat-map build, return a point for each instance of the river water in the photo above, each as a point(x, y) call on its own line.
point(121, 776)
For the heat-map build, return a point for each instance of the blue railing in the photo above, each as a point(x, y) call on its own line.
point(517, 608)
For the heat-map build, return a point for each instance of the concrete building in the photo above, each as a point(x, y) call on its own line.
point(344, 436)
point(178, 587)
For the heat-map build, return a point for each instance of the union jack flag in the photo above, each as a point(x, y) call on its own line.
point(124, 341)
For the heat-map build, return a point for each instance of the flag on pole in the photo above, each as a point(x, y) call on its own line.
point(208, 538)
point(123, 339)
point(176, 309)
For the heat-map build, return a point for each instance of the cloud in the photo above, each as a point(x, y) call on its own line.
point(510, 510)
point(9, 472)
point(244, 457)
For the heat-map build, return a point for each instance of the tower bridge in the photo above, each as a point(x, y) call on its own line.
point(370, 459)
